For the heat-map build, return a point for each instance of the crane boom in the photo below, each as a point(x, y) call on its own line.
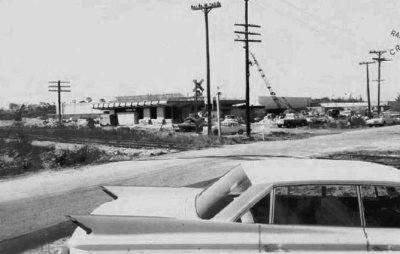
point(281, 103)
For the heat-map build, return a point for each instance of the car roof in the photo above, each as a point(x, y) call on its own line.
point(264, 174)
point(277, 170)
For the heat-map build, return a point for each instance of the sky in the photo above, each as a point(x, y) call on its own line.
point(108, 48)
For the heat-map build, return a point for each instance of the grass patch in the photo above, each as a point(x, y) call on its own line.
point(19, 156)
point(389, 158)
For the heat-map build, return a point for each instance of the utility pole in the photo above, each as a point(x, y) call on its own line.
point(246, 40)
point(206, 8)
point(368, 94)
point(218, 113)
point(379, 59)
point(59, 90)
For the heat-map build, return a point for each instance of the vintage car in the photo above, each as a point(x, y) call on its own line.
point(269, 205)
point(382, 119)
point(191, 124)
point(229, 127)
point(231, 118)
point(291, 120)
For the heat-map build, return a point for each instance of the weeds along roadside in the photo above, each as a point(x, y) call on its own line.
point(18, 155)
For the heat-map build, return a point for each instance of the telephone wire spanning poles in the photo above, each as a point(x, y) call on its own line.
point(206, 8)
point(246, 40)
point(368, 94)
point(59, 89)
point(379, 59)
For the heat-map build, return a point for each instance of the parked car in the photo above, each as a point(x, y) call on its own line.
point(382, 119)
point(229, 127)
point(192, 124)
point(269, 205)
point(317, 120)
point(291, 120)
point(396, 116)
point(230, 118)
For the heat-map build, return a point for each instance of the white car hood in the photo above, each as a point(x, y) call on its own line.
point(151, 201)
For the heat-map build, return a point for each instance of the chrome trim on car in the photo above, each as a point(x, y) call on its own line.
point(272, 206)
point(361, 207)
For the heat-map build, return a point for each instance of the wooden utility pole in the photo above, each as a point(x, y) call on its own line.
point(218, 113)
point(368, 94)
point(247, 61)
point(206, 8)
point(59, 90)
point(379, 59)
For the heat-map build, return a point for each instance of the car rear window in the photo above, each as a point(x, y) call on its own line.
point(381, 206)
point(330, 205)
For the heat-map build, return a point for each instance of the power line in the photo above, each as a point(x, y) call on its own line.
point(59, 89)
point(379, 59)
point(246, 40)
point(206, 8)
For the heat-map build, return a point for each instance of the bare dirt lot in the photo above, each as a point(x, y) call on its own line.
point(34, 202)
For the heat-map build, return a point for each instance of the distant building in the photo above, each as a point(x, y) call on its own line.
point(295, 102)
point(357, 107)
point(79, 110)
point(148, 109)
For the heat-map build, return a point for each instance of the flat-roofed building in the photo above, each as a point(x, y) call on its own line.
point(295, 102)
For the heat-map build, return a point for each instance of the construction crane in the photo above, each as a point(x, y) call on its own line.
point(280, 102)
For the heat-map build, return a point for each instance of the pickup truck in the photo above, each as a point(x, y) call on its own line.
point(291, 120)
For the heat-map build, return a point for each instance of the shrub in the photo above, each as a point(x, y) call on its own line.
point(85, 155)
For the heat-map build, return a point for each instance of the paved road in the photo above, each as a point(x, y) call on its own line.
point(33, 202)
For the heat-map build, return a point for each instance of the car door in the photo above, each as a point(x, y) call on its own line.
point(381, 205)
point(312, 218)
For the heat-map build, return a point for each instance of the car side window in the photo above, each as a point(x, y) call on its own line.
point(260, 211)
point(381, 206)
point(329, 205)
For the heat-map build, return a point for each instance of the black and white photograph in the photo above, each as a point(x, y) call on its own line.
point(185, 126)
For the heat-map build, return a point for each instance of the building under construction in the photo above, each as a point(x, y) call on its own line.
point(275, 104)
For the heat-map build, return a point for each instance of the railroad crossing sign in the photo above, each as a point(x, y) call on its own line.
point(198, 89)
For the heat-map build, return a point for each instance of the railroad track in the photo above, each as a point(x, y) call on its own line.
point(114, 143)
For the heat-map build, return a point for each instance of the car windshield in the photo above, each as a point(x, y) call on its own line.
point(217, 196)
